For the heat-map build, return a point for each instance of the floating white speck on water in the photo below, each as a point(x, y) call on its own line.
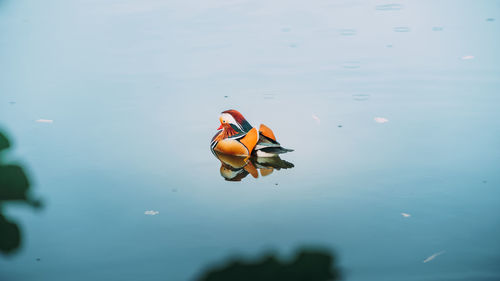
point(44, 121)
point(433, 256)
point(316, 118)
point(151, 213)
point(405, 215)
point(467, 57)
point(381, 120)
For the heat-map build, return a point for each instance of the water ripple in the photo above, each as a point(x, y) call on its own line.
point(351, 64)
point(360, 97)
point(347, 32)
point(401, 29)
point(389, 7)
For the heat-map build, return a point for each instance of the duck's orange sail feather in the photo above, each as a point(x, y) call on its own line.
point(265, 131)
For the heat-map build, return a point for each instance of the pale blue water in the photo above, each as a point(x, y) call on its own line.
point(135, 88)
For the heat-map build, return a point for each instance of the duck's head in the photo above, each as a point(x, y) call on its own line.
point(233, 119)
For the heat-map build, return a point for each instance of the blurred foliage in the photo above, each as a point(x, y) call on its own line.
point(14, 187)
point(307, 265)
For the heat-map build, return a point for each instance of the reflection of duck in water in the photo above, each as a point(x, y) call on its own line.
point(235, 168)
point(237, 137)
point(243, 150)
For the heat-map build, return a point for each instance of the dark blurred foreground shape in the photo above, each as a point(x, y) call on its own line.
point(307, 265)
point(14, 187)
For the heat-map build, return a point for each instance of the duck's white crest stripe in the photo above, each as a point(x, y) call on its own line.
point(231, 120)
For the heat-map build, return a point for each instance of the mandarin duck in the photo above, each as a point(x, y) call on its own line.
point(235, 136)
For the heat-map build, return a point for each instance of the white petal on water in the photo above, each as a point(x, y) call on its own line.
point(406, 215)
point(44, 121)
point(316, 118)
point(433, 256)
point(151, 213)
point(467, 57)
point(381, 120)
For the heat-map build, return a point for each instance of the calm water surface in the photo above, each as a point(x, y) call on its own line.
point(135, 88)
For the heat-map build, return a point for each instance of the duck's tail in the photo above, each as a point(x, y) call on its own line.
point(267, 146)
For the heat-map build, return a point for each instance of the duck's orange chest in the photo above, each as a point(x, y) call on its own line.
point(238, 147)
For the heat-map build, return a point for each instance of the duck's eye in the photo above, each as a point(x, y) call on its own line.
point(224, 121)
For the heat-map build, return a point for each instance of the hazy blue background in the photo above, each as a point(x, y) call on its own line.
point(135, 88)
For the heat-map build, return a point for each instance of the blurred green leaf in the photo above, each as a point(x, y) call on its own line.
point(4, 142)
point(10, 236)
point(14, 186)
point(13, 183)
point(308, 265)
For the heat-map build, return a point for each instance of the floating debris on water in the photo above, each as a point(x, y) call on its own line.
point(405, 215)
point(174, 190)
point(340, 126)
point(388, 45)
point(490, 19)
point(401, 29)
point(151, 213)
point(484, 181)
point(467, 57)
point(44, 121)
point(433, 256)
point(12, 102)
point(38, 259)
point(316, 118)
point(381, 120)
point(347, 32)
point(389, 7)
point(437, 28)
point(276, 184)
point(226, 97)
